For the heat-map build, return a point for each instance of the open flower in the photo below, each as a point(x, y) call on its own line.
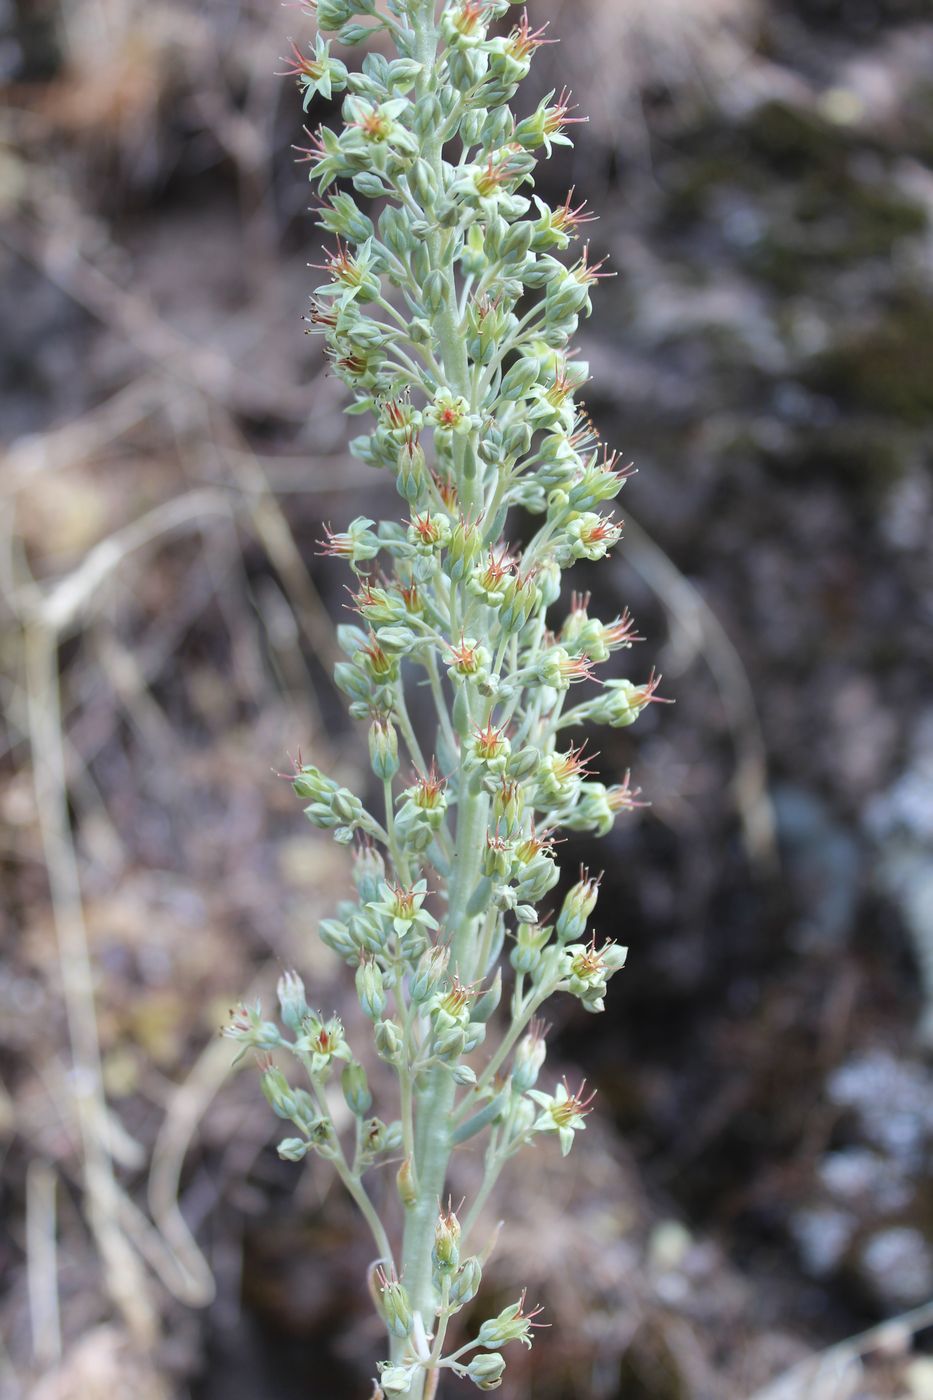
point(562, 1112)
point(402, 908)
point(317, 73)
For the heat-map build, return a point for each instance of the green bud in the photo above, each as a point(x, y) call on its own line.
point(538, 877)
point(446, 1253)
point(530, 939)
point(293, 1149)
point(465, 1283)
point(369, 872)
point(370, 988)
point(331, 14)
point(429, 974)
point(346, 805)
point(434, 293)
point(389, 1041)
point(519, 379)
point(356, 1089)
point(579, 903)
point(412, 473)
point(523, 764)
point(620, 703)
point(383, 749)
point(292, 1004)
point(311, 782)
point(370, 185)
point(512, 1325)
point(396, 1380)
point(352, 34)
point(394, 231)
point(530, 1054)
point(426, 117)
point(423, 183)
point(448, 1044)
point(352, 681)
point(335, 935)
point(279, 1094)
point(395, 1307)
point(486, 1370)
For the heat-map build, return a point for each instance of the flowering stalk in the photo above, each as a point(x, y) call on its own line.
point(449, 318)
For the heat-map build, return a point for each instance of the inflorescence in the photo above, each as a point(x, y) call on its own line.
point(448, 311)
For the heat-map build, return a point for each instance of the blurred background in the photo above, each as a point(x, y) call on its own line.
point(755, 1187)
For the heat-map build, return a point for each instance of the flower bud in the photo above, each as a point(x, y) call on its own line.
point(353, 682)
point(293, 1149)
point(356, 1089)
point(449, 1043)
point(370, 988)
point(383, 749)
point(530, 1054)
point(429, 973)
point(465, 1283)
point(292, 1004)
point(395, 1306)
point(508, 806)
point(530, 939)
point(427, 116)
point(389, 1041)
point(579, 903)
point(434, 293)
point(396, 1380)
point(497, 858)
point(412, 473)
point(519, 379)
point(512, 1325)
point(523, 764)
point(538, 877)
point(369, 185)
point(394, 1136)
point(331, 14)
point(423, 183)
point(279, 1094)
point(346, 805)
point(486, 1370)
point(335, 935)
point(464, 546)
point(446, 1252)
point(393, 230)
point(369, 872)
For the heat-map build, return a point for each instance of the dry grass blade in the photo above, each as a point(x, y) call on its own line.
point(185, 1110)
point(704, 635)
point(113, 1219)
point(126, 1280)
point(60, 607)
point(42, 1262)
point(833, 1374)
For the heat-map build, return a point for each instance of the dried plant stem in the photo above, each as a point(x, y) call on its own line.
point(126, 1280)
